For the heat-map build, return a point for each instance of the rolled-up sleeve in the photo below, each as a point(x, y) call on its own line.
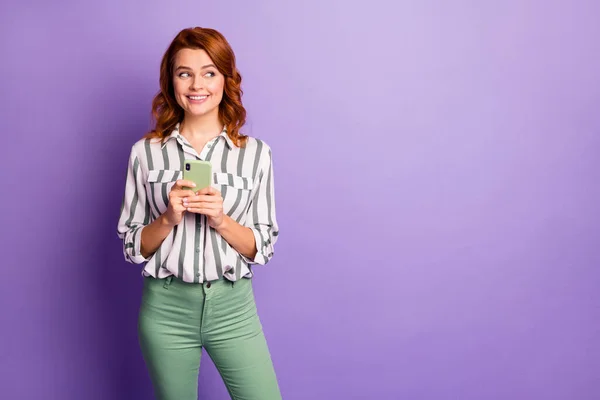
point(262, 219)
point(135, 213)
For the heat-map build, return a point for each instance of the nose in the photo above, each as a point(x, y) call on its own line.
point(197, 83)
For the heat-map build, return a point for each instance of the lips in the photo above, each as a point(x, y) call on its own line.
point(198, 98)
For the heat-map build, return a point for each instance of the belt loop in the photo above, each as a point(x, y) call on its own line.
point(168, 281)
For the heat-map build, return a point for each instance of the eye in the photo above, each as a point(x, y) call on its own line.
point(184, 75)
point(210, 74)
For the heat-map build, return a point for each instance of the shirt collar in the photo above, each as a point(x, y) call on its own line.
point(175, 134)
point(227, 138)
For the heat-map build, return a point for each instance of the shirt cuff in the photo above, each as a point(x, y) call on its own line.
point(135, 256)
point(261, 250)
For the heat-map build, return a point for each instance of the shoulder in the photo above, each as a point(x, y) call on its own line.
point(142, 146)
point(258, 147)
point(261, 152)
point(147, 152)
point(143, 152)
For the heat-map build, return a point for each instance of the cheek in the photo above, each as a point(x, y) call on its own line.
point(216, 88)
point(217, 97)
point(177, 89)
point(179, 96)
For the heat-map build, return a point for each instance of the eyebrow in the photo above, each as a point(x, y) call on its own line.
point(203, 67)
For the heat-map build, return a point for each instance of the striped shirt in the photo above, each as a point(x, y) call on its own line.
point(193, 251)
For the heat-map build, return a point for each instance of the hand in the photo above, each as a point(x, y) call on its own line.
point(176, 209)
point(209, 202)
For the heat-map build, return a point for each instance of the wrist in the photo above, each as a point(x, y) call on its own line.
point(164, 221)
point(224, 224)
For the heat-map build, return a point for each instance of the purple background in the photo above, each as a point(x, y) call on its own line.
point(437, 182)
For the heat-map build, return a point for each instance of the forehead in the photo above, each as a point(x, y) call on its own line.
point(193, 58)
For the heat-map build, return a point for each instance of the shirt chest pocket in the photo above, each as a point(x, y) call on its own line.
point(236, 191)
point(160, 182)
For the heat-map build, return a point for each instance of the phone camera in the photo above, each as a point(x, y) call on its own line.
point(187, 167)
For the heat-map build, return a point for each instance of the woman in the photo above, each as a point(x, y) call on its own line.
point(198, 247)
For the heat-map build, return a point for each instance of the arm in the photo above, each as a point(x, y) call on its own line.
point(134, 213)
point(239, 237)
point(255, 239)
point(262, 220)
point(141, 239)
point(209, 202)
point(154, 234)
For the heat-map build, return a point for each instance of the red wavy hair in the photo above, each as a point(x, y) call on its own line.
point(165, 110)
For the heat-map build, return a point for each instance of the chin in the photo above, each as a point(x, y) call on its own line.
point(198, 113)
point(202, 112)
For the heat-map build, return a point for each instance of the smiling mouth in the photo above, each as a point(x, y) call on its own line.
point(197, 98)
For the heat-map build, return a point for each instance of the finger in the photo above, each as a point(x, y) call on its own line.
point(182, 183)
point(202, 204)
point(178, 206)
point(205, 211)
point(203, 191)
point(206, 198)
point(196, 210)
point(182, 193)
point(178, 195)
point(209, 190)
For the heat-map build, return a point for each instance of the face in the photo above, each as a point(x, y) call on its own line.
point(197, 83)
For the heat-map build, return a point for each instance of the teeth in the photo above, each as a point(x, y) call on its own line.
point(198, 97)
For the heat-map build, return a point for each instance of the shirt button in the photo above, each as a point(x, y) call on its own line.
point(208, 284)
point(197, 250)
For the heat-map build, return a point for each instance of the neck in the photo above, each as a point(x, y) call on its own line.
point(200, 127)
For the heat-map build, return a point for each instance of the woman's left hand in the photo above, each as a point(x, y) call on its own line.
point(209, 202)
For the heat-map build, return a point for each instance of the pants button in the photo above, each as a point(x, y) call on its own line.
point(208, 284)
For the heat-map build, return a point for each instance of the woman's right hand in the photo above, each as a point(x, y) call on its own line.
point(176, 209)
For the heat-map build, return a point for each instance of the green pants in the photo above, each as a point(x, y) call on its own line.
point(178, 319)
